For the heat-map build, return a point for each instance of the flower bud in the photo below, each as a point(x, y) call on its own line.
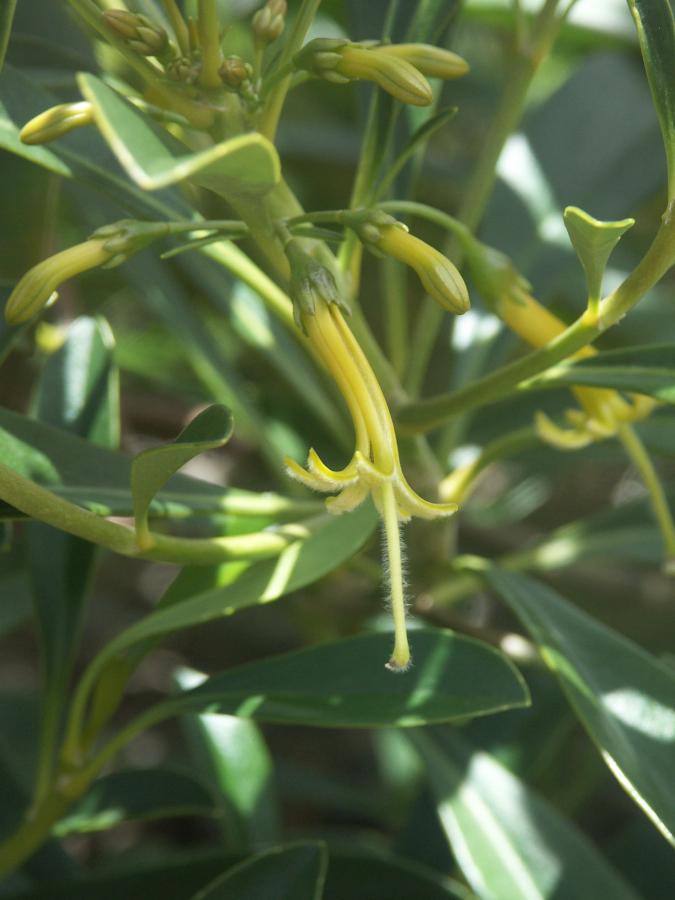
point(138, 31)
point(434, 62)
point(38, 286)
point(55, 122)
point(339, 61)
point(234, 72)
point(269, 22)
point(439, 277)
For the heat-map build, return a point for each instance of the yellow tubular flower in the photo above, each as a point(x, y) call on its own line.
point(434, 62)
point(38, 286)
point(393, 74)
point(375, 467)
point(439, 277)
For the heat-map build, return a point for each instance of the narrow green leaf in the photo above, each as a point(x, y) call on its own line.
point(133, 795)
point(346, 684)
point(233, 755)
point(510, 843)
point(314, 554)
point(656, 32)
point(647, 369)
point(623, 696)
point(593, 242)
point(290, 872)
point(154, 159)
point(151, 469)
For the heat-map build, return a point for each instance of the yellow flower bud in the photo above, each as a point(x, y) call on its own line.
point(142, 35)
point(55, 122)
point(38, 286)
point(434, 62)
point(269, 22)
point(395, 76)
point(439, 277)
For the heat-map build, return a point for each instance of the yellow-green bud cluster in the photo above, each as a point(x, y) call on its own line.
point(235, 72)
point(269, 22)
point(399, 69)
point(142, 35)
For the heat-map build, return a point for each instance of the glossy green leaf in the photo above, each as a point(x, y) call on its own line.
point(656, 33)
point(99, 479)
point(593, 242)
point(624, 697)
point(509, 842)
point(152, 468)
point(291, 872)
point(136, 794)
point(304, 561)
point(648, 369)
point(154, 159)
point(232, 754)
point(346, 684)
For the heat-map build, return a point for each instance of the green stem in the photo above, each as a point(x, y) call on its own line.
point(426, 414)
point(527, 58)
point(209, 38)
point(269, 119)
point(180, 29)
point(6, 28)
point(640, 458)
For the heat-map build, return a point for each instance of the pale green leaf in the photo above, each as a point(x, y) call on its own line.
point(593, 242)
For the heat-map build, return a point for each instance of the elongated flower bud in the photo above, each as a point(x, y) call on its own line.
point(38, 286)
point(434, 62)
point(439, 277)
point(55, 122)
point(138, 31)
point(338, 60)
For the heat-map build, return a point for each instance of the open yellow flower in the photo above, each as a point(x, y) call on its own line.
point(375, 467)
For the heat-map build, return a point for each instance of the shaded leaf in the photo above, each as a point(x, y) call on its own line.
point(346, 684)
point(233, 755)
point(510, 843)
point(136, 794)
point(624, 697)
point(152, 468)
point(154, 159)
point(647, 369)
point(656, 33)
point(593, 242)
point(291, 872)
point(6, 20)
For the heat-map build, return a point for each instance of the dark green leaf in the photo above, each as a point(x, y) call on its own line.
point(6, 19)
point(136, 794)
point(624, 697)
point(99, 479)
point(648, 369)
point(154, 159)
point(232, 754)
point(510, 843)
point(292, 872)
point(346, 684)
point(152, 468)
point(656, 32)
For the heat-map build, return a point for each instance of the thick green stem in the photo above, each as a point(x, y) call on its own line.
point(209, 37)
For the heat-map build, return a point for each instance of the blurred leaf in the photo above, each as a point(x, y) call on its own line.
point(648, 369)
point(233, 755)
point(304, 561)
point(415, 143)
point(345, 684)
point(99, 479)
point(593, 242)
point(154, 159)
point(624, 697)
point(152, 468)
point(510, 844)
point(291, 872)
point(656, 33)
point(6, 19)
point(136, 794)
point(78, 392)
point(361, 875)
